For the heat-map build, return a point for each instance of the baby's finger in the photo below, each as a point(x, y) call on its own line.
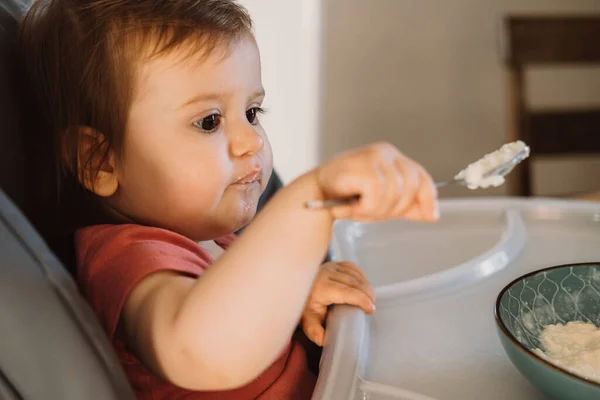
point(341, 212)
point(392, 190)
point(364, 287)
point(415, 213)
point(312, 325)
point(352, 282)
point(427, 197)
point(352, 296)
point(352, 277)
point(410, 184)
point(397, 185)
point(371, 193)
point(353, 268)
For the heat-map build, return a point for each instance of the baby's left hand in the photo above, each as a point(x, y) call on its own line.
point(336, 283)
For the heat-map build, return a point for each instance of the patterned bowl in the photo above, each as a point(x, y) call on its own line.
point(549, 296)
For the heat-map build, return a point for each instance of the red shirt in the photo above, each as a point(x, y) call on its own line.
point(112, 259)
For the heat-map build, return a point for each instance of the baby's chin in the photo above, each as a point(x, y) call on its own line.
point(233, 221)
point(244, 219)
point(224, 222)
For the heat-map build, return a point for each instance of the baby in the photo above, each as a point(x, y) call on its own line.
point(151, 112)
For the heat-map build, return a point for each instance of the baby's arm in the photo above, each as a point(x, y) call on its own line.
point(222, 330)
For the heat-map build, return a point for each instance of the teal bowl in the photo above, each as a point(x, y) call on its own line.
point(548, 296)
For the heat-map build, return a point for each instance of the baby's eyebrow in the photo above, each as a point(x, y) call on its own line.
point(216, 96)
point(201, 97)
point(259, 93)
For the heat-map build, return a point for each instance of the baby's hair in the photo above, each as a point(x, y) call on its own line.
point(79, 59)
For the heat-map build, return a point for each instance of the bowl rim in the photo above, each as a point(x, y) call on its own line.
point(514, 340)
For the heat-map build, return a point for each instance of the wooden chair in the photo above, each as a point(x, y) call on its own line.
point(550, 41)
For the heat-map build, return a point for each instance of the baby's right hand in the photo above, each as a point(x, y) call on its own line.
point(389, 185)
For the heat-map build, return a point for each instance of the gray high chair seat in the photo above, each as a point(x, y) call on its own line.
point(52, 345)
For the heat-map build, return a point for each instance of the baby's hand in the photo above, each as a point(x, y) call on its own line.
point(336, 283)
point(390, 185)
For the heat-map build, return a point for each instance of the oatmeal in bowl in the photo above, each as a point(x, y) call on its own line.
point(549, 325)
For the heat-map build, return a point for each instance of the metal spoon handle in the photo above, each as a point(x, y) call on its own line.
point(317, 204)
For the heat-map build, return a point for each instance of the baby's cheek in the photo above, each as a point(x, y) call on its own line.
point(266, 157)
point(200, 190)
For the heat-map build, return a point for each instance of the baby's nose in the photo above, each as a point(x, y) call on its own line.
point(245, 141)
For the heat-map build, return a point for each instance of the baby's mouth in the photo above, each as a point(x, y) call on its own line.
point(254, 176)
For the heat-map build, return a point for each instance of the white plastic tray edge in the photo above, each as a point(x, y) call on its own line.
point(489, 262)
point(344, 354)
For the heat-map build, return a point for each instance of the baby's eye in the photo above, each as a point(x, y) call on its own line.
point(252, 114)
point(209, 124)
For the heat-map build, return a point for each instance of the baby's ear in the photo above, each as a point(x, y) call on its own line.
point(95, 163)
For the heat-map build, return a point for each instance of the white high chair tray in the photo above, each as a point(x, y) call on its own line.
point(433, 336)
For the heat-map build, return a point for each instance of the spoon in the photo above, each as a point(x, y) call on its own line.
point(462, 178)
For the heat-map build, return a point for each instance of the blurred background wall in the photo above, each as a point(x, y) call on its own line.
point(427, 75)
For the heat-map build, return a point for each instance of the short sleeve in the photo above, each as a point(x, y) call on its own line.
point(112, 259)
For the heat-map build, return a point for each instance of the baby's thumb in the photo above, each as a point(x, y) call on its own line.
point(341, 212)
point(346, 209)
point(313, 328)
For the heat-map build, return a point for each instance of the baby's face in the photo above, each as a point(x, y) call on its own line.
point(196, 158)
